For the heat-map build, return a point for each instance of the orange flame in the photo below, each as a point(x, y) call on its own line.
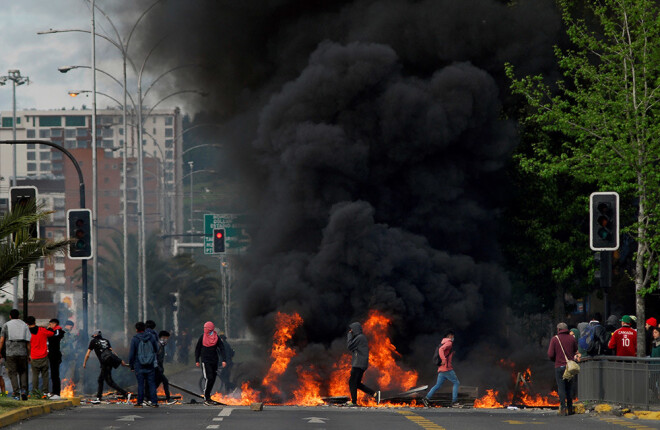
point(495, 399)
point(68, 390)
point(285, 326)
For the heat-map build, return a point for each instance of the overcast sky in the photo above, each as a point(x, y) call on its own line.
point(39, 56)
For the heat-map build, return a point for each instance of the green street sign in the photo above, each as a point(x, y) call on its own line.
point(237, 238)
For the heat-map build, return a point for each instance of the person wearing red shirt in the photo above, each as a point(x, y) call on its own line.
point(624, 340)
point(39, 354)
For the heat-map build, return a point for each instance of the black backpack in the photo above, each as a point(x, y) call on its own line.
point(436, 356)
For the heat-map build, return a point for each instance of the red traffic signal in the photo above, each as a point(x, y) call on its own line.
point(218, 240)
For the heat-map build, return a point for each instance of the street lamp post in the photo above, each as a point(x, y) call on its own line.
point(191, 164)
point(95, 200)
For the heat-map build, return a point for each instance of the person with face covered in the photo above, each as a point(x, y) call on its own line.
point(163, 338)
point(359, 346)
point(208, 353)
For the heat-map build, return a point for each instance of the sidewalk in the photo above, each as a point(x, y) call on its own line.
point(19, 414)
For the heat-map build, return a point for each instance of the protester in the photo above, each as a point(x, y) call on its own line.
point(225, 372)
point(104, 353)
point(207, 350)
point(624, 340)
point(595, 339)
point(55, 357)
point(650, 323)
point(574, 386)
point(142, 360)
point(655, 342)
point(15, 336)
point(359, 346)
point(445, 370)
point(39, 355)
point(150, 328)
point(563, 346)
point(70, 348)
point(163, 339)
point(612, 324)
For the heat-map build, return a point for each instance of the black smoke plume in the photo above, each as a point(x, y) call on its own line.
point(374, 138)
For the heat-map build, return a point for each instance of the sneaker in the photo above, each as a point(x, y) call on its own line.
point(456, 405)
point(151, 404)
point(350, 404)
point(425, 400)
point(147, 403)
point(54, 397)
point(208, 402)
point(23, 396)
point(377, 397)
point(170, 402)
point(96, 401)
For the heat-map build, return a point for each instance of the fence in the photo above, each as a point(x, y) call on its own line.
point(625, 380)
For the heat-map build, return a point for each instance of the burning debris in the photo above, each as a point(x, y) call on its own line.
point(522, 394)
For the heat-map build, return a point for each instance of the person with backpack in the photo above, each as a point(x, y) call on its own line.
point(208, 351)
point(142, 360)
point(442, 357)
point(106, 356)
point(593, 341)
point(225, 372)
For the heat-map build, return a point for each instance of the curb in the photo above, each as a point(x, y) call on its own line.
point(606, 409)
point(20, 414)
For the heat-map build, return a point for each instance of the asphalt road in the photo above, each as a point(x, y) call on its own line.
point(187, 416)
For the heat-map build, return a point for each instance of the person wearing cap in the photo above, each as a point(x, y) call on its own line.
point(624, 339)
point(563, 346)
point(100, 345)
point(650, 323)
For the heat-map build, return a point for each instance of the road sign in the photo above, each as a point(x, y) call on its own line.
point(237, 238)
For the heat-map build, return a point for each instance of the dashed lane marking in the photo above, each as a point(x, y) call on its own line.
point(625, 423)
point(213, 426)
point(218, 419)
point(421, 421)
point(516, 422)
point(225, 412)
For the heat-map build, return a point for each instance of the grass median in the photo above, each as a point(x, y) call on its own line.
point(8, 404)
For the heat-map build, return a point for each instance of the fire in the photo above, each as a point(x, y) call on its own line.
point(519, 396)
point(247, 396)
point(285, 327)
point(68, 390)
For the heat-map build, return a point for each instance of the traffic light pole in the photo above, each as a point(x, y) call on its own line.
point(82, 206)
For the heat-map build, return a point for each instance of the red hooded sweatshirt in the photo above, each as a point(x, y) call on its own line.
point(446, 354)
point(39, 342)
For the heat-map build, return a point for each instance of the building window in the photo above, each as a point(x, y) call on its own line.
point(44, 166)
point(169, 132)
point(31, 146)
point(80, 132)
point(108, 143)
point(169, 143)
point(169, 120)
point(74, 121)
point(154, 131)
point(70, 132)
point(32, 167)
point(169, 176)
point(56, 155)
point(82, 144)
point(7, 121)
point(31, 134)
point(154, 120)
point(44, 134)
point(69, 143)
point(121, 131)
point(50, 121)
point(107, 132)
point(44, 155)
point(169, 154)
point(56, 132)
point(31, 156)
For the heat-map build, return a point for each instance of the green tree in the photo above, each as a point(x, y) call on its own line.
point(19, 252)
point(605, 113)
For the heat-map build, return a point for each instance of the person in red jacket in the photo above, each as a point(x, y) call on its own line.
point(445, 370)
point(39, 354)
point(563, 346)
point(624, 340)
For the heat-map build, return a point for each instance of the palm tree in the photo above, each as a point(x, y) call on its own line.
point(21, 250)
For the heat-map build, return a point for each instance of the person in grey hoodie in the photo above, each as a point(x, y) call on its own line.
point(359, 346)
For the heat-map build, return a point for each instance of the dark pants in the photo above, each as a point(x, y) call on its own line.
point(209, 372)
point(355, 383)
point(225, 374)
point(17, 368)
point(146, 377)
point(55, 359)
point(106, 376)
point(161, 378)
point(564, 389)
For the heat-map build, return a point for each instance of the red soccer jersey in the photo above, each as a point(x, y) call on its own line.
point(624, 342)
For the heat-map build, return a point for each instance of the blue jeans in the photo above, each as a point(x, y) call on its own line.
point(150, 376)
point(451, 377)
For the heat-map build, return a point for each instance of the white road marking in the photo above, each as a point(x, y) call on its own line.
point(128, 418)
point(225, 412)
point(218, 419)
point(315, 420)
point(213, 426)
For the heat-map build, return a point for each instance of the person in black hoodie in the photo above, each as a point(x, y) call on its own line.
point(359, 346)
point(144, 371)
point(55, 357)
point(209, 348)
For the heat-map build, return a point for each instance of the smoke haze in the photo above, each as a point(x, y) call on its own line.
point(373, 136)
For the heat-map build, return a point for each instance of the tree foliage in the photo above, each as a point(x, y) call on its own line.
point(603, 115)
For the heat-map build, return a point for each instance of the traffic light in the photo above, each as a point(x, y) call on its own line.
point(79, 227)
point(25, 197)
point(604, 221)
point(218, 240)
